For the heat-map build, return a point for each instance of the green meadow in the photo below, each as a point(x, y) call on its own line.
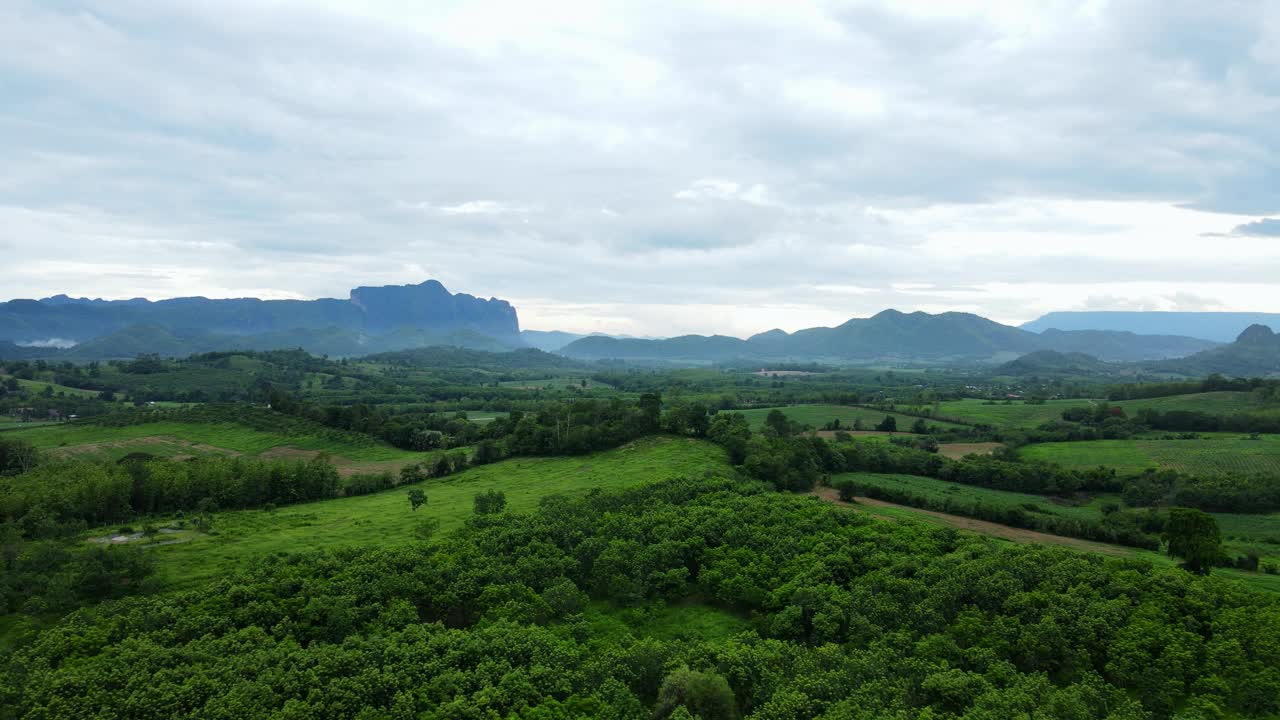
point(386, 517)
point(158, 438)
point(819, 415)
point(1211, 453)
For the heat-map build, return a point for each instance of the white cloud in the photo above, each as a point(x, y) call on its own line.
point(756, 164)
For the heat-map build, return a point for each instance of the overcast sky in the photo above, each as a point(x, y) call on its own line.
point(648, 167)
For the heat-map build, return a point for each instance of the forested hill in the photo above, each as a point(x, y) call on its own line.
point(894, 334)
point(417, 311)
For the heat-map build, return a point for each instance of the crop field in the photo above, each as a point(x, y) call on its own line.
point(819, 415)
point(1212, 453)
point(181, 438)
point(1017, 413)
point(386, 517)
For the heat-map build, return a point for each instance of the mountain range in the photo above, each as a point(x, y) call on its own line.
point(893, 335)
point(371, 319)
point(1255, 353)
point(401, 317)
point(1216, 326)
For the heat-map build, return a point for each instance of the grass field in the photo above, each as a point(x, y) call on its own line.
point(1016, 414)
point(555, 383)
point(819, 415)
point(1214, 452)
point(176, 438)
point(38, 386)
point(1241, 533)
point(387, 518)
point(686, 620)
point(1214, 403)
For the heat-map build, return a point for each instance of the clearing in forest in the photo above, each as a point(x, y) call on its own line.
point(386, 517)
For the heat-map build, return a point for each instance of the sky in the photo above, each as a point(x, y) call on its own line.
point(648, 168)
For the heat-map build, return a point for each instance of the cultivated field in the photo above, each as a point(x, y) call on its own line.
point(386, 517)
point(1241, 533)
point(819, 415)
point(1212, 453)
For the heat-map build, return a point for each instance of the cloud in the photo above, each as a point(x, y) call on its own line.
point(1266, 227)
point(784, 165)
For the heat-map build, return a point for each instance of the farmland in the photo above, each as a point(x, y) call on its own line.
point(188, 438)
point(1019, 413)
point(1211, 453)
point(819, 415)
point(386, 517)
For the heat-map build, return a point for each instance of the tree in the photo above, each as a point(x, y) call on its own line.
point(417, 498)
point(490, 502)
point(888, 424)
point(703, 695)
point(651, 410)
point(919, 427)
point(778, 422)
point(1193, 536)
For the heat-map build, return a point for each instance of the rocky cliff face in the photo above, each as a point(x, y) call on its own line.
point(430, 306)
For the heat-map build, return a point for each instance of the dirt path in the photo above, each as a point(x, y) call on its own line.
point(980, 526)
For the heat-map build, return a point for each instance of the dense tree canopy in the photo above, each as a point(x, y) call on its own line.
point(849, 618)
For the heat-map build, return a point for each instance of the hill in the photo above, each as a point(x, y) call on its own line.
point(1052, 362)
point(371, 319)
point(890, 335)
point(1255, 353)
point(1214, 326)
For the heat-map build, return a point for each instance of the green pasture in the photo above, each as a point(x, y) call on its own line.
point(37, 386)
point(115, 442)
point(1001, 413)
point(386, 517)
point(1212, 453)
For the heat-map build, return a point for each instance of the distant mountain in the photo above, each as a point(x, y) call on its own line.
point(888, 335)
point(372, 319)
point(1216, 326)
point(1122, 346)
point(1255, 353)
point(548, 340)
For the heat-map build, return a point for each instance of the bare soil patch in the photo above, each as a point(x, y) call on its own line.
point(981, 526)
point(955, 451)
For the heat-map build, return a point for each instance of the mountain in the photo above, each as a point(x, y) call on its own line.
point(1220, 327)
point(889, 335)
point(371, 319)
point(1255, 353)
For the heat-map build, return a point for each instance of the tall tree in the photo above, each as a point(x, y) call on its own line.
point(1193, 536)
